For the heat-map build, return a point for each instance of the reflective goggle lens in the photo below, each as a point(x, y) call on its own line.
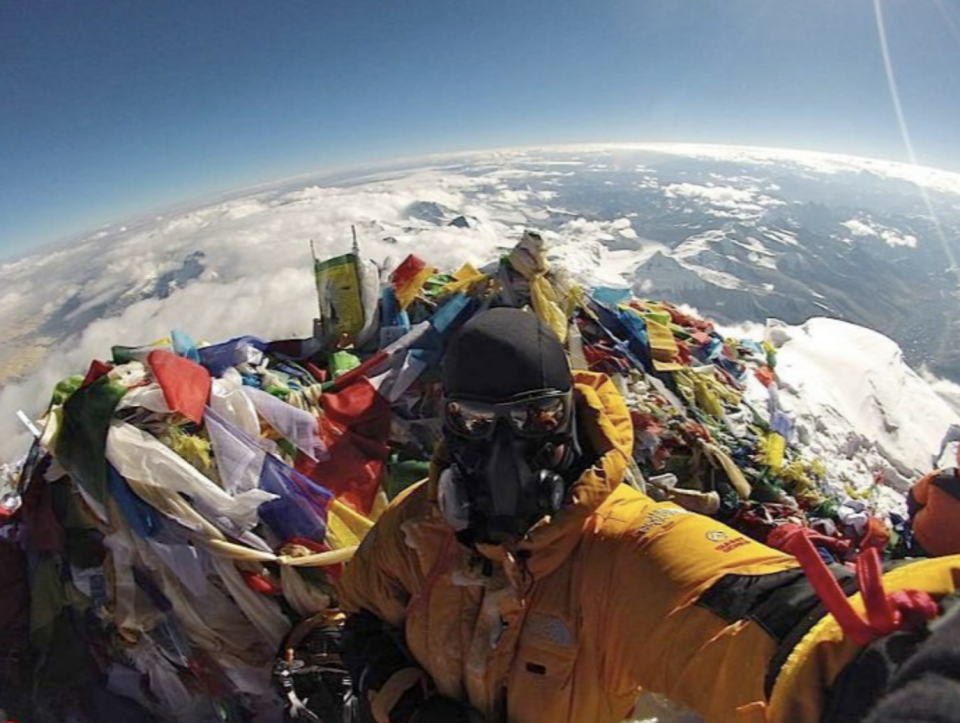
point(534, 417)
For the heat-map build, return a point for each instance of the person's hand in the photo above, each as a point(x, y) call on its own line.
point(445, 710)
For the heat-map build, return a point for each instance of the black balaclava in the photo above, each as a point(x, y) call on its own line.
point(497, 488)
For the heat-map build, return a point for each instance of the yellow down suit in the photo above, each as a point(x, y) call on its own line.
point(615, 594)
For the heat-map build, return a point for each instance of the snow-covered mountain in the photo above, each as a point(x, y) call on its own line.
point(857, 404)
point(739, 234)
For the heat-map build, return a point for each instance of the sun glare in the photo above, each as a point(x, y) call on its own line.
point(905, 132)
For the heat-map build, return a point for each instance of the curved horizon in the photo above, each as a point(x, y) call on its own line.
point(911, 172)
point(116, 110)
point(786, 232)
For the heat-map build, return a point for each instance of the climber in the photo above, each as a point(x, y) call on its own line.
point(524, 581)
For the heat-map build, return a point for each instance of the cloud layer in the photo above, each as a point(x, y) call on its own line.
point(242, 265)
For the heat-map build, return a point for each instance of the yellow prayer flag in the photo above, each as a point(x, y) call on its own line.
point(465, 277)
point(663, 346)
point(775, 447)
point(545, 306)
point(408, 292)
point(667, 366)
point(705, 397)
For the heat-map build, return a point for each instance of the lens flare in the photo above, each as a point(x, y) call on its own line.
point(905, 134)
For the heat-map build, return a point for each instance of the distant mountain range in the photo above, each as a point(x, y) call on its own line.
point(739, 233)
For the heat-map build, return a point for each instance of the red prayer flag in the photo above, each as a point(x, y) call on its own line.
point(408, 278)
point(319, 374)
point(407, 271)
point(354, 429)
point(97, 369)
point(185, 384)
point(260, 583)
point(765, 375)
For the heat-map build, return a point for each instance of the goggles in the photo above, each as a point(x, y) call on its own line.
point(539, 415)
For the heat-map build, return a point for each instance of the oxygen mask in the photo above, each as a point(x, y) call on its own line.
point(507, 463)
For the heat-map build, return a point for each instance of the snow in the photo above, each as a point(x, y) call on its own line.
point(787, 238)
point(857, 404)
point(592, 264)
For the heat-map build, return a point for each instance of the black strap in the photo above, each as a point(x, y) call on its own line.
point(948, 482)
point(803, 625)
point(784, 604)
point(373, 651)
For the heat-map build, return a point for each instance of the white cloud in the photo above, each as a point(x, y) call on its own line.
point(895, 238)
point(858, 228)
point(723, 201)
point(724, 196)
point(890, 236)
point(10, 300)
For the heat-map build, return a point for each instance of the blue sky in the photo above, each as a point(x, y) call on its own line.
point(109, 108)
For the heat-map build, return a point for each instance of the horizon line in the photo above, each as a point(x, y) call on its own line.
point(907, 171)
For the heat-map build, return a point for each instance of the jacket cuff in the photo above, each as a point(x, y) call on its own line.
point(383, 701)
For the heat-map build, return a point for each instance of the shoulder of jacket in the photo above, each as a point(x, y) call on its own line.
point(622, 511)
point(413, 495)
point(412, 503)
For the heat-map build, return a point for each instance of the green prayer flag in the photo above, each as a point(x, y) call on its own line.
point(81, 444)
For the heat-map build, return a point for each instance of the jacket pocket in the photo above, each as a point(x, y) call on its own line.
point(547, 653)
